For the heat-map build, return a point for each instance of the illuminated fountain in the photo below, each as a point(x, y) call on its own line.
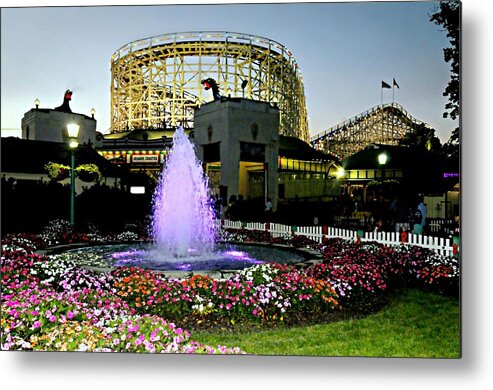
point(183, 219)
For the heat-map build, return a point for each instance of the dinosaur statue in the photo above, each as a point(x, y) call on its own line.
point(210, 83)
point(65, 107)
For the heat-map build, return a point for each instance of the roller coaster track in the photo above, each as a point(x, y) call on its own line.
point(384, 124)
point(156, 81)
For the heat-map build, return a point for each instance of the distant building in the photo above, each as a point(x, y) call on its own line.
point(47, 124)
point(239, 144)
point(243, 153)
point(138, 150)
point(402, 170)
point(45, 139)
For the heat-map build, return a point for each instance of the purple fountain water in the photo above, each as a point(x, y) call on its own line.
point(183, 219)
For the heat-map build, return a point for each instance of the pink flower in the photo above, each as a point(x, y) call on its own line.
point(70, 315)
point(52, 318)
point(153, 336)
point(37, 324)
point(139, 340)
point(134, 328)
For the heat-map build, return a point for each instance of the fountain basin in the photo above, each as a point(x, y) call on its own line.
point(226, 257)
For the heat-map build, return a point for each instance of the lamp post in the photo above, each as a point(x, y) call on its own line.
point(73, 131)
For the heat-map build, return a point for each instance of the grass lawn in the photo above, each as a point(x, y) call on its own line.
point(414, 324)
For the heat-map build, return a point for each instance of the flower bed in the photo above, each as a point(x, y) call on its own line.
point(369, 266)
point(50, 303)
point(49, 306)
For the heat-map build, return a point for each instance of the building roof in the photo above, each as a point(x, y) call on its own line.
point(29, 156)
point(295, 148)
point(398, 157)
point(289, 147)
point(141, 134)
point(48, 110)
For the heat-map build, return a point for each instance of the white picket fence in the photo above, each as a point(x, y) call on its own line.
point(441, 245)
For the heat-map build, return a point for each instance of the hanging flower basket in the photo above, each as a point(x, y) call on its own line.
point(385, 185)
point(87, 176)
point(88, 173)
point(57, 172)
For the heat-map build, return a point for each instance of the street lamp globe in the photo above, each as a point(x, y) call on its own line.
point(340, 172)
point(382, 158)
point(73, 132)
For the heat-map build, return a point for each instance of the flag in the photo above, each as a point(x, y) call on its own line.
point(385, 85)
point(395, 84)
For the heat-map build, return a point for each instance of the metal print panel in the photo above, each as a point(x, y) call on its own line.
point(298, 176)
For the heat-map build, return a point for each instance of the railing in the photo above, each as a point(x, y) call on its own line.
point(439, 225)
point(443, 246)
point(204, 37)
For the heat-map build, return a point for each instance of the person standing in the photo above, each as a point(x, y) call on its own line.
point(268, 209)
point(419, 217)
point(422, 208)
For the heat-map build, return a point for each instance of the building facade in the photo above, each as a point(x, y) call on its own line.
point(44, 124)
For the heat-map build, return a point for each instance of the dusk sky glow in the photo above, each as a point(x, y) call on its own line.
point(344, 51)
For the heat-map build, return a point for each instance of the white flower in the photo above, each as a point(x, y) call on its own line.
point(82, 347)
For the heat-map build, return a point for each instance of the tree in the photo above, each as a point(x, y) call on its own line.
point(422, 137)
point(448, 16)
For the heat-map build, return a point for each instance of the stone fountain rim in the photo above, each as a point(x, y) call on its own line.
point(311, 256)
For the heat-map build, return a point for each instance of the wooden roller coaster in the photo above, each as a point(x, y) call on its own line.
point(384, 124)
point(156, 82)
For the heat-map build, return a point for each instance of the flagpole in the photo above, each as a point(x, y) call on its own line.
point(381, 96)
point(393, 86)
point(393, 113)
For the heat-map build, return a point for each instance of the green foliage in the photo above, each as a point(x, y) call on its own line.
point(57, 171)
point(415, 324)
point(422, 137)
point(448, 17)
